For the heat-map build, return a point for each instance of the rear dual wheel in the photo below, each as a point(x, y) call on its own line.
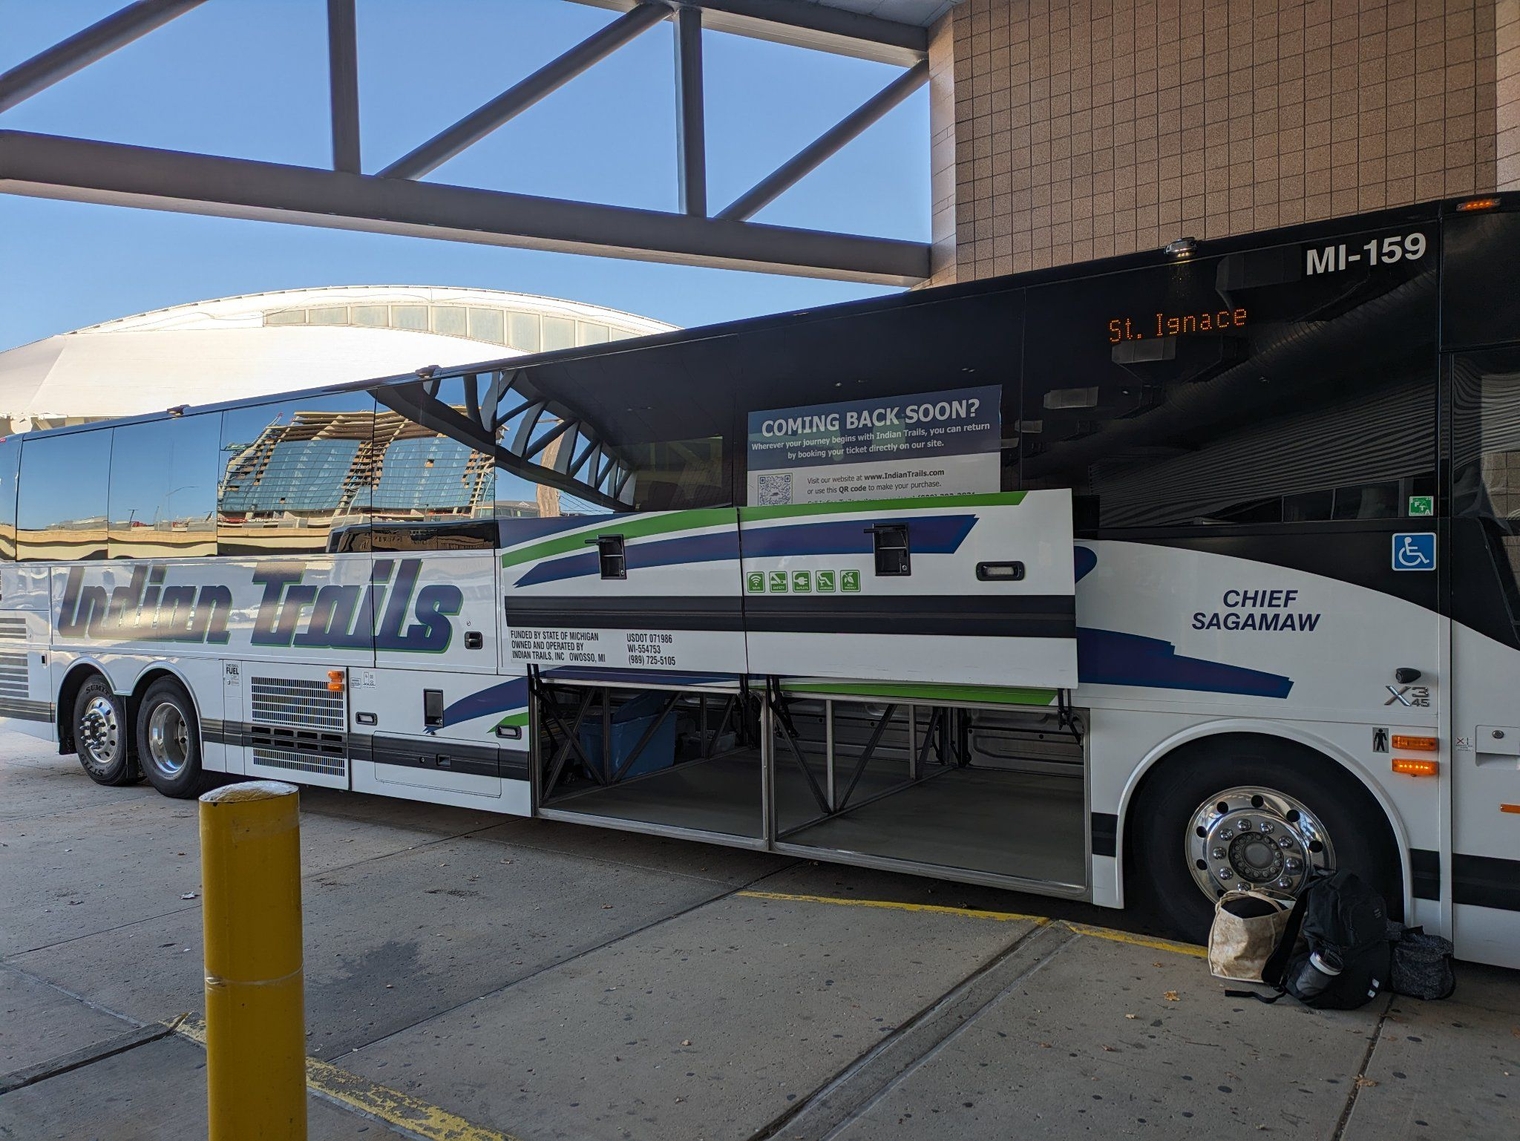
point(169, 740)
point(102, 736)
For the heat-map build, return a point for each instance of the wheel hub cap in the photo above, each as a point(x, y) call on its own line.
point(1251, 837)
point(100, 730)
point(168, 739)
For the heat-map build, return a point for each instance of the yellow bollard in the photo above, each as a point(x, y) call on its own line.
point(255, 1017)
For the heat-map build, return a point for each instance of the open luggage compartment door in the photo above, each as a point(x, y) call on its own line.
point(622, 598)
point(959, 590)
point(635, 623)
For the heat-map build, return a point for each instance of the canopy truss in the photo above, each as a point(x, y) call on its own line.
point(394, 200)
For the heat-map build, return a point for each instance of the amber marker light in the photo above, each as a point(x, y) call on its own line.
point(1477, 204)
point(1515, 808)
point(1416, 766)
point(335, 681)
point(1417, 744)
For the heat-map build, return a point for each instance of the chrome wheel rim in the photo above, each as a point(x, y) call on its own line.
point(1255, 838)
point(168, 739)
point(100, 730)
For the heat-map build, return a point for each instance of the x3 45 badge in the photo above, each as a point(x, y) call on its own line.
point(1411, 696)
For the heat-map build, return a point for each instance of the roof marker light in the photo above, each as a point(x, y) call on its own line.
point(1477, 204)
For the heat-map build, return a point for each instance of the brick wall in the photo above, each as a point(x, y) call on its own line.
point(1099, 127)
point(1507, 92)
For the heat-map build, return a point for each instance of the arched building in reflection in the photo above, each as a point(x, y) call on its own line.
point(260, 343)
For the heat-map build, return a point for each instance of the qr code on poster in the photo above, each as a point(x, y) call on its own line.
point(775, 489)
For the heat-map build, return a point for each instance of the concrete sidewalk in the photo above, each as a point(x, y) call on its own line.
point(480, 978)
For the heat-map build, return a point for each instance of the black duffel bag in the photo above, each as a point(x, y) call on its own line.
point(1421, 963)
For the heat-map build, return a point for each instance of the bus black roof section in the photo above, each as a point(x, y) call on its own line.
point(793, 354)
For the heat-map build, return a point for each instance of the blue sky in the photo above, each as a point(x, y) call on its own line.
point(249, 78)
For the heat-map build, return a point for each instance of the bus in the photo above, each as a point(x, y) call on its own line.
point(1135, 581)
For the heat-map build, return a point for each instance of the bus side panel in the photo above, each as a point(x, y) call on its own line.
point(433, 736)
point(441, 614)
point(298, 620)
point(201, 675)
point(26, 693)
point(969, 590)
point(296, 727)
point(423, 723)
point(234, 757)
point(1178, 644)
point(626, 597)
point(299, 608)
point(1485, 871)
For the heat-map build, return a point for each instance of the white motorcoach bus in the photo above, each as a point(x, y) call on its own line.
point(1132, 581)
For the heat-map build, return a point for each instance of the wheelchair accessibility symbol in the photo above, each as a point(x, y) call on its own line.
point(1414, 551)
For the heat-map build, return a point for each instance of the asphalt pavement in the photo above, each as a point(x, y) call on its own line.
point(475, 977)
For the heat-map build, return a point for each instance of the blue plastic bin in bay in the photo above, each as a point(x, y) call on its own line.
point(629, 723)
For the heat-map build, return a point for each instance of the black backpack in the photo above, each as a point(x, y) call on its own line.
point(1339, 914)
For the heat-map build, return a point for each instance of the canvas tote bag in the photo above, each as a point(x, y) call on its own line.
point(1247, 926)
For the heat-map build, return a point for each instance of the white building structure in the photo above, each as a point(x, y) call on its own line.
point(236, 347)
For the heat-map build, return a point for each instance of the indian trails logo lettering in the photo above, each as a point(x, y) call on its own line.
point(145, 610)
point(388, 613)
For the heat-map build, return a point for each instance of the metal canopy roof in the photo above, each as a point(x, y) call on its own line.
point(890, 31)
point(920, 12)
point(392, 196)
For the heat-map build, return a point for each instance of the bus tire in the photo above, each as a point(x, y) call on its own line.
point(169, 740)
point(1245, 810)
point(102, 735)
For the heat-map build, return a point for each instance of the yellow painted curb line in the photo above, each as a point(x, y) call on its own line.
point(890, 905)
point(1145, 941)
point(375, 1101)
point(1087, 929)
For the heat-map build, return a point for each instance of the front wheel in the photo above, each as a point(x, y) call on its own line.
point(1239, 812)
point(169, 740)
point(101, 736)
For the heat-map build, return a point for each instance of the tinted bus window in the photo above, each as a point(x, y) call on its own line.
point(678, 413)
point(672, 475)
point(395, 538)
point(1485, 492)
point(861, 373)
point(1253, 388)
point(163, 488)
point(10, 462)
point(426, 473)
point(444, 458)
point(292, 472)
point(1480, 280)
point(61, 505)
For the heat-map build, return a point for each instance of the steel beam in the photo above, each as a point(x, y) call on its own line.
point(691, 129)
point(100, 39)
point(827, 144)
point(518, 98)
point(343, 77)
point(804, 24)
point(49, 166)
